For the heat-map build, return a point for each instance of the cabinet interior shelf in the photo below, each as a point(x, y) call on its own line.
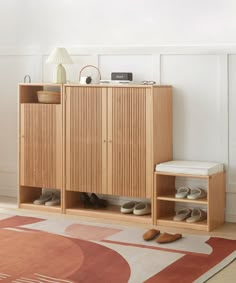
point(31, 206)
point(39, 103)
point(168, 221)
point(184, 175)
point(111, 212)
point(172, 198)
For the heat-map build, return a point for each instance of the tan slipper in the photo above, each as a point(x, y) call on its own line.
point(150, 234)
point(168, 238)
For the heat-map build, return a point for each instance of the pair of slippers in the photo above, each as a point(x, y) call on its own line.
point(161, 239)
point(195, 193)
point(48, 198)
point(194, 215)
point(137, 208)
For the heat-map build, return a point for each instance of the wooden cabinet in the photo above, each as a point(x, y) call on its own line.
point(165, 201)
point(85, 140)
point(114, 135)
point(102, 139)
point(106, 139)
point(128, 123)
point(40, 145)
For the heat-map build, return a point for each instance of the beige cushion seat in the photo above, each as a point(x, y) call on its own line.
point(190, 167)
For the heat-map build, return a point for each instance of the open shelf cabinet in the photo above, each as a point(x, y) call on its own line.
point(165, 201)
point(74, 206)
point(27, 195)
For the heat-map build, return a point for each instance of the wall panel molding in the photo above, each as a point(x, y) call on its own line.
point(222, 49)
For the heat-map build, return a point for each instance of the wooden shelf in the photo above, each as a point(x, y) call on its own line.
point(168, 221)
point(28, 92)
point(164, 200)
point(111, 212)
point(183, 175)
point(31, 206)
point(172, 198)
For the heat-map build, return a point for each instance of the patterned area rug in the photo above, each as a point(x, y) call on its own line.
point(63, 250)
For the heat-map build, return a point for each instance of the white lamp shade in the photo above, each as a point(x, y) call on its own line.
point(59, 56)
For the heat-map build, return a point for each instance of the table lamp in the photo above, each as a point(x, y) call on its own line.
point(60, 56)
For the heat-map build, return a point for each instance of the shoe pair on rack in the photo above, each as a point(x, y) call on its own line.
point(92, 201)
point(194, 215)
point(140, 208)
point(48, 198)
point(161, 238)
point(195, 193)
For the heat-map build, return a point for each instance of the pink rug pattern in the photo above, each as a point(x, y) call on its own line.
point(37, 250)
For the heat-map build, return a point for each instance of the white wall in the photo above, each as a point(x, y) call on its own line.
point(12, 69)
point(189, 44)
point(44, 24)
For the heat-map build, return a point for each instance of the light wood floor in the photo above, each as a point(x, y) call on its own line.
point(227, 230)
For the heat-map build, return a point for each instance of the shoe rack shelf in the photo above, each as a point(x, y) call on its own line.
point(172, 198)
point(112, 212)
point(165, 201)
point(27, 195)
point(74, 206)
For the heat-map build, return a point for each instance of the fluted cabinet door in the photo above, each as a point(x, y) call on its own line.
point(41, 145)
point(127, 144)
point(86, 139)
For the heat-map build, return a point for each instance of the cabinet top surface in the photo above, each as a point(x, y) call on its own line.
point(39, 84)
point(96, 85)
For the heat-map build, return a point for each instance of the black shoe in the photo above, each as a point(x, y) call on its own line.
point(85, 200)
point(97, 202)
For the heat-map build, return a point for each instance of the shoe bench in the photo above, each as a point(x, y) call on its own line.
point(165, 202)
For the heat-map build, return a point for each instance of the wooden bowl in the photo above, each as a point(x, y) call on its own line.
point(48, 96)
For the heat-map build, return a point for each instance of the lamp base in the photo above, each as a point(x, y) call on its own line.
point(61, 74)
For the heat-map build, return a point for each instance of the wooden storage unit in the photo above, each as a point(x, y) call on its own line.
point(114, 135)
point(40, 146)
point(103, 139)
point(164, 200)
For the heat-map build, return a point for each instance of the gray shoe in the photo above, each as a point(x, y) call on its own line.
point(45, 196)
point(54, 201)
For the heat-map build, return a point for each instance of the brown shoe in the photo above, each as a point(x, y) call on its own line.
point(168, 238)
point(150, 234)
